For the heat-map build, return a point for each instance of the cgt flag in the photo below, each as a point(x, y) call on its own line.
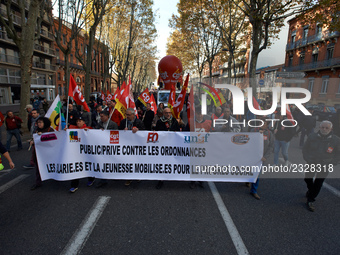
point(55, 115)
point(144, 97)
point(153, 104)
point(178, 106)
point(172, 97)
point(74, 91)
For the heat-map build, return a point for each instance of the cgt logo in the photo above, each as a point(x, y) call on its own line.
point(152, 138)
point(114, 137)
point(74, 137)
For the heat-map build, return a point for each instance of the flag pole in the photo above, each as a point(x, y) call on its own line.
point(68, 98)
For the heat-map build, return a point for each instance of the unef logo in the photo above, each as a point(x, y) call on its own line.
point(114, 136)
point(201, 137)
point(152, 138)
point(74, 137)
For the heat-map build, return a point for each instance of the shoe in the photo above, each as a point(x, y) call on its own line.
point(72, 190)
point(1, 166)
point(35, 186)
point(90, 183)
point(310, 206)
point(159, 185)
point(28, 166)
point(192, 185)
point(101, 185)
point(127, 183)
point(286, 163)
point(255, 195)
point(248, 184)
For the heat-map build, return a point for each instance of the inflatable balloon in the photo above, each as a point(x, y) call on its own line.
point(170, 70)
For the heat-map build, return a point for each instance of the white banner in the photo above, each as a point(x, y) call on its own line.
point(145, 155)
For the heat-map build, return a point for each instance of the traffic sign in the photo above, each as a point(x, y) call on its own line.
point(290, 81)
point(261, 82)
point(290, 74)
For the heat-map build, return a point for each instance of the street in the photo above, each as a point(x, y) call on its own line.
point(140, 219)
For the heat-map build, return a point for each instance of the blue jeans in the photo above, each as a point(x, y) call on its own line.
point(284, 149)
point(254, 186)
point(16, 133)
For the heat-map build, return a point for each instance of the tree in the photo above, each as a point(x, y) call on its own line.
point(25, 40)
point(266, 18)
point(70, 16)
point(324, 12)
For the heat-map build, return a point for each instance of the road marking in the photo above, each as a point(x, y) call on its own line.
point(11, 183)
point(81, 235)
point(235, 236)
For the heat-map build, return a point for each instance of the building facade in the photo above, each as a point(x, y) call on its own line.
point(315, 50)
point(43, 65)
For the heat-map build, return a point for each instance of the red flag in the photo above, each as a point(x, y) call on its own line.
point(256, 104)
point(289, 114)
point(115, 95)
point(172, 97)
point(2, 119)
point(74, 91)
point(178, 106)
point(109, 97)
point(103, 96)
point(152, 101)
point(144, 97)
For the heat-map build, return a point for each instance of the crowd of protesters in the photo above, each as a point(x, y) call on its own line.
point(104, 116)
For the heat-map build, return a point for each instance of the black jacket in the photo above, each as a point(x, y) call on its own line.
point(171, 125)
point(136, 123)
point(320, 149)
point(284, 133)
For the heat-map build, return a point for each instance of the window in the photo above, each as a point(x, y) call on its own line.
point(315, 57)
point(311, 85)
point(325, 81)
point(318, 30)
point(290, 61)
point(302, 58)
point(293, 37)
point(78, 79)
point(305, 33)
point(57, 54)
point(330, 51)
point(59, 76)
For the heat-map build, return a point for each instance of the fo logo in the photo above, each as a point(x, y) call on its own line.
point(74, 136)
point(114, 136)
point(152, 138)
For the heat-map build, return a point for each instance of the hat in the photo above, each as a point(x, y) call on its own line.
point(79, 118)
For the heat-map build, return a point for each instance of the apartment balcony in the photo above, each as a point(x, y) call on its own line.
point(312, 39)
point(47, 35)
point(9, 59)
point(16, 18)
point(44, 66)
point(43, 49)
point(325, 64)
point(62, 62)
point(4, 36)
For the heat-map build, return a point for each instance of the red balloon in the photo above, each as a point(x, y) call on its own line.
point(170, 70)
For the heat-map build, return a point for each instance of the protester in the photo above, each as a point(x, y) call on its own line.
point(268, 145)
point(131, 123)
point(80, 124)
point(73, 115)
point(283, 136)
point(156, 118)
point(105, 124)
point(166, 123)
point(322, 152)
point(35, 116)
point(43, 126)
point(116, 116)
point(231, 125)
point(86, 116)
point(95, 117)
point(307, 124)
point(13, 124)
point(29, 109)
point(5, 153)
point(45, 105)
point(148, 117)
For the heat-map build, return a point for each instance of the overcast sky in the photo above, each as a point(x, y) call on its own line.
point(269, 57)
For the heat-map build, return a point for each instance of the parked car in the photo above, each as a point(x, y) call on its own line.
point(324, 113)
